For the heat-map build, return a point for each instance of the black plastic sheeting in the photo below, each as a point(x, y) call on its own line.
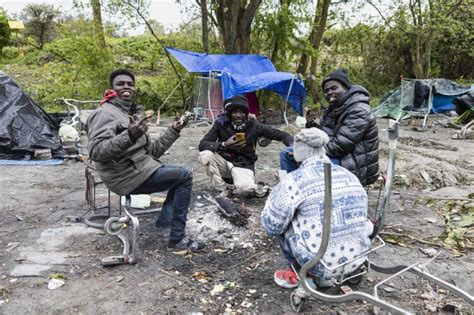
point(24, 125)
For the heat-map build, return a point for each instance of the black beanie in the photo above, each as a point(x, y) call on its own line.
point(238, 101)
point(339, 75)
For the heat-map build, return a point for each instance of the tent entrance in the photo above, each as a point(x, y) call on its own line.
point(416, 99)
point(206, 98)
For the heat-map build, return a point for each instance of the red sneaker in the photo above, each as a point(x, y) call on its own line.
point(286, 278)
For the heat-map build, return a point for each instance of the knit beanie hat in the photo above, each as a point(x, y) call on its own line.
point(339, 75)
point(238, 101)
point(309, 142)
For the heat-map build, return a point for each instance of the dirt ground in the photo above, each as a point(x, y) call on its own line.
point(429, 212)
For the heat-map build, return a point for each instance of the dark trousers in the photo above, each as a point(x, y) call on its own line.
point(179, 183)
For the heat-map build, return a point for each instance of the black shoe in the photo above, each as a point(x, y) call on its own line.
point(186, 244)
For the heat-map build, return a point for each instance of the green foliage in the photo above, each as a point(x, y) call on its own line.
point(40, 22)
point(453, 56)
point(4, 30)
point(81, 66)
point(276, 34)
point(141, 52)
point(9, 52)
point(153, 90)
point(375, 54)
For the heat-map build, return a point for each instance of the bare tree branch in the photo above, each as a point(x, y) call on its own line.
point(137, 9)
point(380, 13)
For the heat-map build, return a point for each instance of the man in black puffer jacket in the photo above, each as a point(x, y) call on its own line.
point(228, 157)
point(351, 127)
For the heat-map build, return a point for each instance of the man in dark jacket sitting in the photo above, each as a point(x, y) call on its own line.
point(351, 127)
point(227, 151)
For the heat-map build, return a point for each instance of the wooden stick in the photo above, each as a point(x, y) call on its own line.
point(172, 275)
point(410, 237)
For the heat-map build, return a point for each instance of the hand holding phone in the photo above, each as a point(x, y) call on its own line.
point(234, 143)
point(240, 136)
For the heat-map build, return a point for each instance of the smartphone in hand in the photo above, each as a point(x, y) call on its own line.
point(240, 136)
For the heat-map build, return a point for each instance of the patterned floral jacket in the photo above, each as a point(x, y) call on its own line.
point(294, 211)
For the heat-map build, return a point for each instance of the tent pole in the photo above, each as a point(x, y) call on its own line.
point(430, 104)
point(212, 76)
point(209, 95)
point(286, 101)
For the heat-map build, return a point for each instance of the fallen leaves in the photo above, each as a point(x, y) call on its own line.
point(201, 276)
point(459, 218)
point(219, 288)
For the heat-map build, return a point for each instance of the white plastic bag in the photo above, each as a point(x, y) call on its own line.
point(138, 201)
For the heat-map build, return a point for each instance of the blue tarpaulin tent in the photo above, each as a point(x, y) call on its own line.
point(242, 74)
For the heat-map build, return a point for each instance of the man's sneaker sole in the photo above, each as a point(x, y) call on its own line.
point(283, 283)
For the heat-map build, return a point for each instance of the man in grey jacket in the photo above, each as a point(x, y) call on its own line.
point(126, 158)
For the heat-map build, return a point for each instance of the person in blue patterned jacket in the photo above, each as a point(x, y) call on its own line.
point(294, 213)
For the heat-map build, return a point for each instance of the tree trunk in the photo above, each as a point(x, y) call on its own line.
point(234, 20)
point(205, 25)
point(317, 31)
point(421, 54)
point(277, 38)
point(97, 20)
point(421, 41)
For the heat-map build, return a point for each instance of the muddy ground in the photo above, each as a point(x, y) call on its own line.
point(40, 240)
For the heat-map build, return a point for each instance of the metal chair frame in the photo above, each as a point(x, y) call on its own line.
point(306, 288)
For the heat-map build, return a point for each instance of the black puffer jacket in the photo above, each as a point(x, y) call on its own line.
point(246, 157)
point(353, 133)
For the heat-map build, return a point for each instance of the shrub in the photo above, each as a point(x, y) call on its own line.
point(10, 52)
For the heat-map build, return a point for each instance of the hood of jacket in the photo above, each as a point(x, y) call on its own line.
point(223, 119)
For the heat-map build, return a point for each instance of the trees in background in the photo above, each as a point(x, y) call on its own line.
point(4, 30)
point(234, 20)
point(40, 23)
point(97, 22)
point(318, 28)
point(414, 38)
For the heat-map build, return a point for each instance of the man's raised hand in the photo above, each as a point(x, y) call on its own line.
point(137, 127)
point(180, 124)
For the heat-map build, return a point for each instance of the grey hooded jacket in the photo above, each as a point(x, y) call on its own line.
point(123, 165)
point(353, 133)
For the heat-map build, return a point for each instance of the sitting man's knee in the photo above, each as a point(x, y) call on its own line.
point(188, 173)
point(206, 156)
point(245, 186)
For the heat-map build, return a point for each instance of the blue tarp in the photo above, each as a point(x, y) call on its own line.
point(242, 74)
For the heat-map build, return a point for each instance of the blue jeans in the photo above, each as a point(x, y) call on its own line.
point(288, 163)
point(179, 183)
point(286, 251)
